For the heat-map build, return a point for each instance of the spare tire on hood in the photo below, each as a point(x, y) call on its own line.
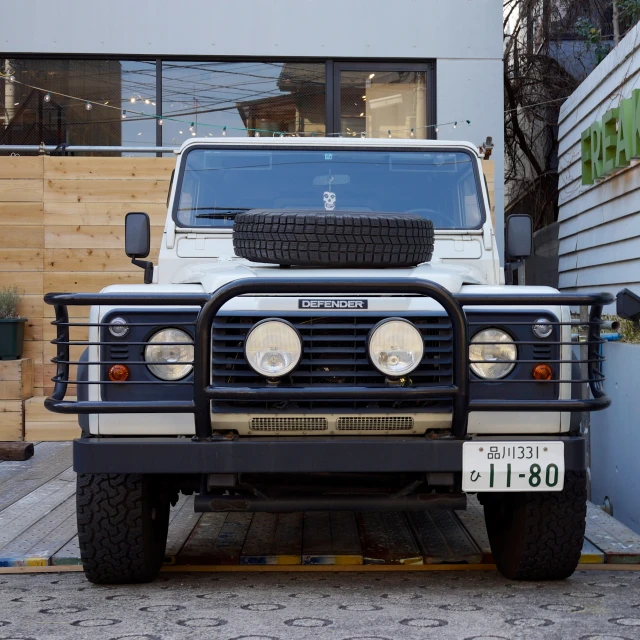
point(333, 239)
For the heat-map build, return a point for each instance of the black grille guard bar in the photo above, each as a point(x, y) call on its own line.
point(211, 304)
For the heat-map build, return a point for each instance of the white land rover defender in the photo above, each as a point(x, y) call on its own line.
point(328, 328)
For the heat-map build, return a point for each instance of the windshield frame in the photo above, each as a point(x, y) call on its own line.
point(327, 148)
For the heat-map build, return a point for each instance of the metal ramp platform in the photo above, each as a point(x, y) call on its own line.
point(38, 529)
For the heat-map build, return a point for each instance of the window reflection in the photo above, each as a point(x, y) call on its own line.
point(380, 103)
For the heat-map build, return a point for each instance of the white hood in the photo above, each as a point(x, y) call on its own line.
point(212, 275)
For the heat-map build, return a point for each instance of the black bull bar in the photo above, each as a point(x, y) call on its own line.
point(210, 304)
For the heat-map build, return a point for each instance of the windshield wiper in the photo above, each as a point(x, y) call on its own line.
point(223, 212)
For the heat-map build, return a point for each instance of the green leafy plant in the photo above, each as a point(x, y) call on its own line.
point(9, 299)
point(592, 36)
point(629, 331)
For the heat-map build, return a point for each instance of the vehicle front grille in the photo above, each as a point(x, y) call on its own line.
point(375, 423)
point(334, 352)
point(289, 424)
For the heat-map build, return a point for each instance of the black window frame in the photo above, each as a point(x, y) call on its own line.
point(333, 68)
point(333, 88)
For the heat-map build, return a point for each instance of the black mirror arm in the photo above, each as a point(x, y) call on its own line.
point(147, 265)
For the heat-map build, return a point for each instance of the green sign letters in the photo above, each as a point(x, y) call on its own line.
point(611, 143)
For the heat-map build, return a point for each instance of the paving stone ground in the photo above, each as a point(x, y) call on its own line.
point(592, 605)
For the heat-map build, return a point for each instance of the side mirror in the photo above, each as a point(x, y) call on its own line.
point(137, 242)
point(519, 237)
point(137, 235)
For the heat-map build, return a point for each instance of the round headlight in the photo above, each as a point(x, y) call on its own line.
point(273, 348)
point(500, 356)
point(542, 328)
point(118, 327)
point(169, 361)
point(396, 347)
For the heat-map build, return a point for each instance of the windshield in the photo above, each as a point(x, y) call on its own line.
point(217, 184)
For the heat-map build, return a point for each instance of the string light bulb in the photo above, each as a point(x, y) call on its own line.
point(363, 134)
point(411, 133)
point(455, 125)
point(191, 126)
point(224, 131)
point(436, 129)
point(132, 100)
point(160, 121)
point(124, 115)
point(47, 97)
point(468, 122)
point(389, 132)
point(88, 106)
point(147, 101)
point(12, 78)
point(193, 133)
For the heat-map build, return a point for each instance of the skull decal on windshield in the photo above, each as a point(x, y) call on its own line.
point(329, 199)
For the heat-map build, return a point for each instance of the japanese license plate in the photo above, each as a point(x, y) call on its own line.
point(512, 466)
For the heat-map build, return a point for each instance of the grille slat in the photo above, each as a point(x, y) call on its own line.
point(334, 352)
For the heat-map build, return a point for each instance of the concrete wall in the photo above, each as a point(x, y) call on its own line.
point(615, 436)
point(463, 36)
point(599, 247)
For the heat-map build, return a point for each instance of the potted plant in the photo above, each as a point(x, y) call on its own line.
point(11, 324)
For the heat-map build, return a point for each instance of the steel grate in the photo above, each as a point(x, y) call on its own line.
point(288, 424)
point(375, 423)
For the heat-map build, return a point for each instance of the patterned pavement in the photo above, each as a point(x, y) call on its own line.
point(592, 605)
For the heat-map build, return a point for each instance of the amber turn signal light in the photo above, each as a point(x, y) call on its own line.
point(118, 373)
point(542, 372)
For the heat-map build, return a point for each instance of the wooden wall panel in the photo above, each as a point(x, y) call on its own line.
point(131, 191)
point(21, 214)
point(62, 223)
point(21, 167)
point(20, 260)
point(20, 190)
point(56, 168)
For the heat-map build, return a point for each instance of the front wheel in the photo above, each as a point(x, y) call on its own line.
point(123, 521)
point(538, 536)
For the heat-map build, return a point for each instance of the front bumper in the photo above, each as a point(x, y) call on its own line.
point(290, 455)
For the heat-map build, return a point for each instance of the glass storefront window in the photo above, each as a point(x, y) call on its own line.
point(107, 102)
point(203, 98)
point(78, 102)
point(380, 102)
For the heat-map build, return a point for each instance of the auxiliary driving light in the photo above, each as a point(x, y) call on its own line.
point(396, 347)
point(492, 361)
point(273, 348)
point(169, 361)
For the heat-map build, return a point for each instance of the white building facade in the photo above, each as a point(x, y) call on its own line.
point(156, 72)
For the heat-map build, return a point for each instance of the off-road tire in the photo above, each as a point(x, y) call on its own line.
point(333, 239)
point(122, 527)
point(538, 536)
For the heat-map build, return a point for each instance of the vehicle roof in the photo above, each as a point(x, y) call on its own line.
point(295, 141)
